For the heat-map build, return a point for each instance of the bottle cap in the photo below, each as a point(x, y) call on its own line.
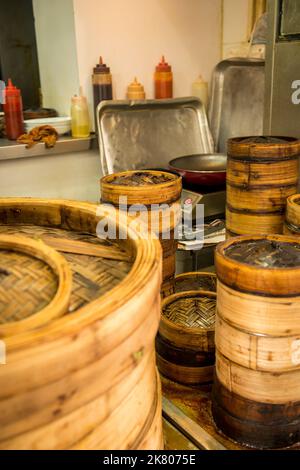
point(79, 98)
point(11, 90)
point(135, 91)
point(163, 66)
point(101, 67)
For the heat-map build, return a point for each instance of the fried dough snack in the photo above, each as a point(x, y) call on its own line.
point(46, 134)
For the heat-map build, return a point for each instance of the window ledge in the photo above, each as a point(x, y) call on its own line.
point(10, 150)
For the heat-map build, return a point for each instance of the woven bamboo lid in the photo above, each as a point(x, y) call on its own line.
point(35, 284)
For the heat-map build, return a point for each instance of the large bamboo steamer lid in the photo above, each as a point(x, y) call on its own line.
point(142, 189)
point(261, 173)
point(23, 306)
point(185, 343)
point(267, 281)
point(102, 343)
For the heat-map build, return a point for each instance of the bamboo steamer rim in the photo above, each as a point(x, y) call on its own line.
point(293, 210)
point(106, 181)
point(59, 303)
point(237, 148)
point(187, 275)
point(170, 325)
point(276, 281)
point(147, 256)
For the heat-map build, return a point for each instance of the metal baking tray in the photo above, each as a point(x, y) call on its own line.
point(149, 133)
point(237, 100)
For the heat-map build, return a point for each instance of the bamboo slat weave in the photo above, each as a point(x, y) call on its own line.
point(27, 285)
point(92, 275)
point(194, 312)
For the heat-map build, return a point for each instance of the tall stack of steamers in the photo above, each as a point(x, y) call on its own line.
point(256, 393)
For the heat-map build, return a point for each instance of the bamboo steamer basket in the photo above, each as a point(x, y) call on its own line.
point(142, 189)
point(185, 343)
point(196, 281)
point(35, 284)
point(256, 394)
point(292, 216)
point(99, 355)
point(262, 172)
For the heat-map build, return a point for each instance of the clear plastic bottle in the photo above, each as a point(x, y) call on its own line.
point(80, 116)
point(200, 90)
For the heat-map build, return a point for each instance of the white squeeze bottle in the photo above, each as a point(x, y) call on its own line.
point(200, 90)
point(80, 116)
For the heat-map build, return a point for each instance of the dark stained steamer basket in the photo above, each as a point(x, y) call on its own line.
point(256, 394)
point(262, 172)
point(196, 281)
point(185, 345)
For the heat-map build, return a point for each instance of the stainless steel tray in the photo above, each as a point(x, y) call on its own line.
point(237, 100)
point(150, 133)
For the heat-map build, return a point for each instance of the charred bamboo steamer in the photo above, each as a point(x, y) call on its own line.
point(256, 397)
point(185, 345)
point(262, 172)
point(135, 192)
point(196, 281)
point(292, 216)
point(88, 378)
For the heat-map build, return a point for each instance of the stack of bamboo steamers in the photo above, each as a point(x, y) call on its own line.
point(256, 393)
point(78, 318)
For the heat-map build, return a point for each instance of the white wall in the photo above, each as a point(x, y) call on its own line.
point(68, 176)
point(235, 31)
point(131, 35)
point(55, 34)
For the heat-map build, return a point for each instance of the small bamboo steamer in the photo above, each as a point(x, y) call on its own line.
point(258, 386)
point(246, 278)
point(197, 280)
point(185, 353)
point(243, 223)
point(162, 220)
point(293, 211)
point(261, 173)
point(166, 192)
point(58, 304)
point(257, 352)
point(262, 315)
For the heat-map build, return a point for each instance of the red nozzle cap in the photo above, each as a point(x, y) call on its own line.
point(163, 66)
point(10, 89)
point(101, 67)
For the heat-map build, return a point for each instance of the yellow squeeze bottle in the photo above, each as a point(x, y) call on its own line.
point(80, 116)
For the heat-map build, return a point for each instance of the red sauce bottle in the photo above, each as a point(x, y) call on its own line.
point(13, 110)
point(163, 80)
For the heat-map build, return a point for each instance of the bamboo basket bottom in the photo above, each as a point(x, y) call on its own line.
point(254, 424)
